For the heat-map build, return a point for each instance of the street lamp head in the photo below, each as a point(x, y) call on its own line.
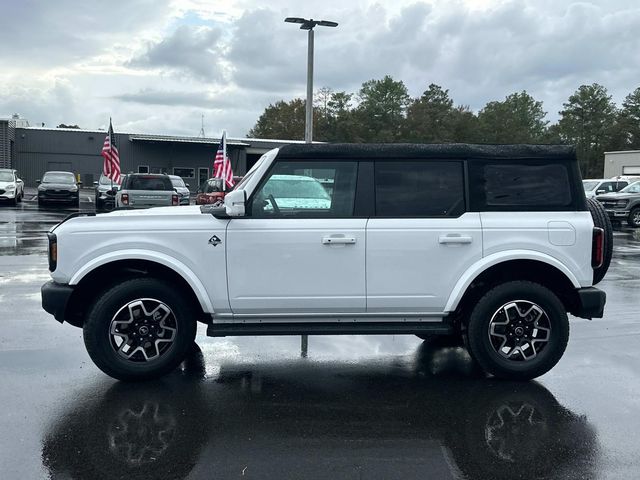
point(310, 23)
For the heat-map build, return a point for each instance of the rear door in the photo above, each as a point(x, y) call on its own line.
point(421, 239)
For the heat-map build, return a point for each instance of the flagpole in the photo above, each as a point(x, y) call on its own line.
point(110, 143)
point(224, 160)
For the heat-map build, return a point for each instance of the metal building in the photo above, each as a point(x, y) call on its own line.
point(40, 149)
point(626, 162)
point(7, 138)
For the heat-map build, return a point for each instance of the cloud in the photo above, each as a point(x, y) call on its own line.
point(157, 65)
point(191, 49)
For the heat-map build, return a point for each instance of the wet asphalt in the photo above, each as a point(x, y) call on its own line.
point(357, 407)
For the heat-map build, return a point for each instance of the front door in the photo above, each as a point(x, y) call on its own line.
point(299, 249)
point(421, 240)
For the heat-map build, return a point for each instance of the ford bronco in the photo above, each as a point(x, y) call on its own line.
point(492, 245)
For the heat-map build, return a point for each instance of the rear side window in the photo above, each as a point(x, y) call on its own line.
point(520, 186)
point(148, 182)
point(419, 189)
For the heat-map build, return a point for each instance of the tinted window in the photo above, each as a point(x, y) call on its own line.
point(419, 189)
point(148, 182)
point(308, 189)
point(516, 186)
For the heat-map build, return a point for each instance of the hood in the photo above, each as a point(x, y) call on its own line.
point(151, 212)
point(618, 196)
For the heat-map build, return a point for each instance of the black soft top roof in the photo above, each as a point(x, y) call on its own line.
point(424, 151)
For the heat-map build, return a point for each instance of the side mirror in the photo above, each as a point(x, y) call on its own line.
point(234, 203)
point(95, 184)
point(38, 182)
point(79, 182)
point(187, 185)
point(599, 192)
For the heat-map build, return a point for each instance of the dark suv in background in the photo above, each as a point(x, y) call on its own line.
point(59, 187)
point(623, 205)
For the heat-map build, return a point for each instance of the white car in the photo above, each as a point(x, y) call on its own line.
point(11, 186)
point(469, 241)
point(600, 186)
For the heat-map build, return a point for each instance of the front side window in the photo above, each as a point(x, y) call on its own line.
point(419, 189)
point(633, 188)
point(520, 186)
point(307, 189)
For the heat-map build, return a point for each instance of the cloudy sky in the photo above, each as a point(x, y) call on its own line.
point(156, 66)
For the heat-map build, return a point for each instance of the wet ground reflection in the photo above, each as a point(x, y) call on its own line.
point(426, 415)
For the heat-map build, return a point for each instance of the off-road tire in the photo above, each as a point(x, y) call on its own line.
point(96, 329)
point(601, 220)
point(479, 344)
point(633, 214)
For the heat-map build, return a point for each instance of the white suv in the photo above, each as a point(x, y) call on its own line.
point(490, 244)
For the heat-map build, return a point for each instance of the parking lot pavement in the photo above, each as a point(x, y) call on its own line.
point(356, 407)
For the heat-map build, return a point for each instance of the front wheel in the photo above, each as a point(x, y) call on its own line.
point(518, 330)
point(139, 329)
point(634, 218)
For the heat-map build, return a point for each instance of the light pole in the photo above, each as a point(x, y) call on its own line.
point(309, 26)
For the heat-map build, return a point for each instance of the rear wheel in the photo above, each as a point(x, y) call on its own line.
point(518, 330)
point(139, 329)
point(601, 220)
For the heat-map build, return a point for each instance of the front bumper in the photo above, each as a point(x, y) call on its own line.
point(55, 297)
point(7, 194)
point(590, 303)
point(63, 197)
point(617, 213)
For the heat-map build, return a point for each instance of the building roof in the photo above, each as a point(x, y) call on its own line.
point(435, 151)
point(621, 152)
point(174, 139)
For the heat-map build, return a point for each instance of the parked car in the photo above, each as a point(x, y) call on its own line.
point(595, 187)
point(143, 190)
point(492, 245)
point(210, 192)
point(181, 188)
point(623, 205)
point(105, 193)
point(59, 187)
point(11, 186)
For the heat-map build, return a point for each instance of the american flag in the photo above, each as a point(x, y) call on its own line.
point(222, 165)
point(111, 167)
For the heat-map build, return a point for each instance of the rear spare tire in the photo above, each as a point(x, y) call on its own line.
point(601, 220)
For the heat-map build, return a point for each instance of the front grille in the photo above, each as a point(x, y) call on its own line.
point(2, 191)
point(608, 204)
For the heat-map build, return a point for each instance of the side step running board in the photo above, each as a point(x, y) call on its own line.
point(377, 328)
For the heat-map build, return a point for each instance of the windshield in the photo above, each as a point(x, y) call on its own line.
point(212, 185)
point(177, 182)
point(148, 182)
point(6, 177)
point(633, 188)
point(590, 185)
point(59, 177)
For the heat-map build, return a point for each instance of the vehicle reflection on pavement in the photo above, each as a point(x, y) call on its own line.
point(429, 415)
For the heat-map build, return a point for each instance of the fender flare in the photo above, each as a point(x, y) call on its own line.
point(491, 260)
point(134, 254)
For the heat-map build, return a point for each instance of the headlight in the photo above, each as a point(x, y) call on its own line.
point(73, 189)
point(622, 203)
point(10, 188)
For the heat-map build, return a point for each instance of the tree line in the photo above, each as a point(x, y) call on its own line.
point(383, 111)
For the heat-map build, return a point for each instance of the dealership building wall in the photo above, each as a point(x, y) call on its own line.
point(622, 163)
point(37, 150)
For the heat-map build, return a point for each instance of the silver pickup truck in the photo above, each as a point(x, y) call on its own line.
point(143, 190)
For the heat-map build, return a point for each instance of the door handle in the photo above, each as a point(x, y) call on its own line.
point(454, 239)
point(329, 240)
